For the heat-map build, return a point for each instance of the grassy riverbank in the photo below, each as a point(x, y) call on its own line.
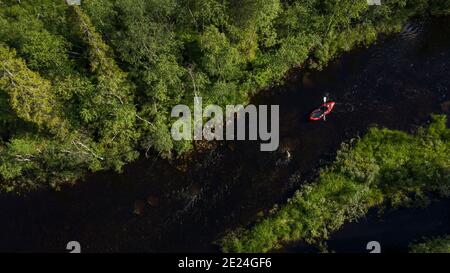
point(433, 245)
point(384, 167)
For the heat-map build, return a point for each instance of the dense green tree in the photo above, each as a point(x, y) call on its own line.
point(95, 84)
point(30, 96)
point(196, 15)
point(44, 51)
point(108, 109)
point(219, 58)
point(252, 23)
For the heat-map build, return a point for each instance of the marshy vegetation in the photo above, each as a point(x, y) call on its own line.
point(384, 168)
point(433, 245)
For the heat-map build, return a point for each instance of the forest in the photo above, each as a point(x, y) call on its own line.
point(89, 88)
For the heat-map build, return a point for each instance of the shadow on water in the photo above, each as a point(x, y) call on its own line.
point(184, 205)
point(395, 230)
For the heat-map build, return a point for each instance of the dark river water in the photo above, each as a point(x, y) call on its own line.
point(186, 205)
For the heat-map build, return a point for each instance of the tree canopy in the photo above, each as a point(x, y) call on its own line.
point(90, 87)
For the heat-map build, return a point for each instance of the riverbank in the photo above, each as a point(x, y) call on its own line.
point(383, 167)
point(434, 245)
point(186, 208)
point(395, 229)
point(111, 72)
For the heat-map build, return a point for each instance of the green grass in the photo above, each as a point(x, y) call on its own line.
point(434, 245)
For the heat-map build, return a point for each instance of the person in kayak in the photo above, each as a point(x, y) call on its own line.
point(322, 111)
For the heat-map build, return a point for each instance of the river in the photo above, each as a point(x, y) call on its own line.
point(180, 205)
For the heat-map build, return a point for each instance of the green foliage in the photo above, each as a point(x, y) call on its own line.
point(440, 7)
point(383, 166)
point(108, 109)
point(30, 96)
point(43, 50)
point(28, 163)
point(99, 81)
point(219, 58)
point(433, 245)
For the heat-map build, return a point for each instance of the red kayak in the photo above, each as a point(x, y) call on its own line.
point(321, 112)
